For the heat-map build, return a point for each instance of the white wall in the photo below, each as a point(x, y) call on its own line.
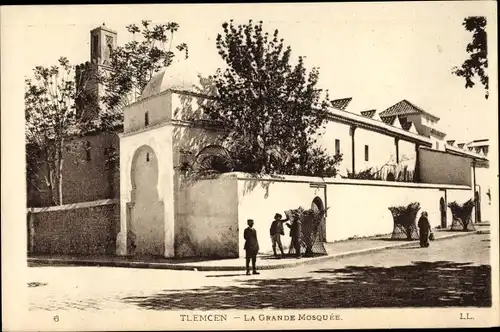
point(335, 130)
point(158, 108)
point(363, 210)
point(261, 200)
point(160, 141)
point(207, 218)
point(484, 179)
point(381, 148)
point(356, 208)
point(186, 106)
point(407, 154)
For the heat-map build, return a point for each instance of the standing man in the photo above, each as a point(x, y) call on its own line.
point(251, 246)
point(276, 231)
point(295, 232)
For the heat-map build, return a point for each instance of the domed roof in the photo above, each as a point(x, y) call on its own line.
point(175, 77)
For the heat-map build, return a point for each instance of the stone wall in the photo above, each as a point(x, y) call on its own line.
point(88, 228)
point(87, 176)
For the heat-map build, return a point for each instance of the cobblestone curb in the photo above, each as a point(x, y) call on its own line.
point(170, 266)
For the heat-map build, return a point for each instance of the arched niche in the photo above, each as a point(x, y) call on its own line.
point(145, 211)
point(318, 206)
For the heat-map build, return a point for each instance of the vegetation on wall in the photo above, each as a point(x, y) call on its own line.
point(271, 108)
point(310, 220)
point(367, 174)
point(400, 173)
point(462, 215)
point(405, 227)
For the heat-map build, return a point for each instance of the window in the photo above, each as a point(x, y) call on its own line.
point(366, 153)
point(109, 44)
point(147, 157)
point(95, 45)
point(87, 151)
point(337, 146)
point(146, 119)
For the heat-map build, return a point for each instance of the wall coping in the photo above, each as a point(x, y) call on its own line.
point(340, 181)
point(73, 206)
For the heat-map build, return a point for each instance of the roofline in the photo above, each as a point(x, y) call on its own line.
point(342, 116)
point(105, 28)
point(377, 126)
point(171, 91)
point(469, 154)
point(420, 110)
point(436, 131)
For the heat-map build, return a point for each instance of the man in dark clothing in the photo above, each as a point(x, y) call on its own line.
point(251, 246)
point(295, 233)
point(276, 231)
point(424, 228)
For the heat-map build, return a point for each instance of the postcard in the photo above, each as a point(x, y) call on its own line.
point(249, 166)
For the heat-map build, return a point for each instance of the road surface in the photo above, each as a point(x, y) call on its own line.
point(453, 272)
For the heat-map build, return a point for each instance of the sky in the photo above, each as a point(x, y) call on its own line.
point(376, 53)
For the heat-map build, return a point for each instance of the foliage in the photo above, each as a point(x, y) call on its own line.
point(399, 170)
point(310, 220)
point(210, 161)
point(462, 213)
point(133, 65)
point(367, 174)
point(270, 108)
point(52, 121)
point(477, 63)
point(404, 219)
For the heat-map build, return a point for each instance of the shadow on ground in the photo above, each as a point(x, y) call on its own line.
point(421, 284)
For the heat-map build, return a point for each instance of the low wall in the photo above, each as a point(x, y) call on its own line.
point(356, 208)
point(206, 220)
point(88, 228)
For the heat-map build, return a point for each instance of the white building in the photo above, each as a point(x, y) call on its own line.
point(161, 211)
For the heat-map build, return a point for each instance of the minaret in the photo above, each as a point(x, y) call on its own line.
point(102, 42)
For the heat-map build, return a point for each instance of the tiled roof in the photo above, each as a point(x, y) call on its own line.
point(341, 104)
point(389, 119)
point(478, 143)
point(361, 121)
point(438, 132)
point(369, 113)
point(404, 107)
